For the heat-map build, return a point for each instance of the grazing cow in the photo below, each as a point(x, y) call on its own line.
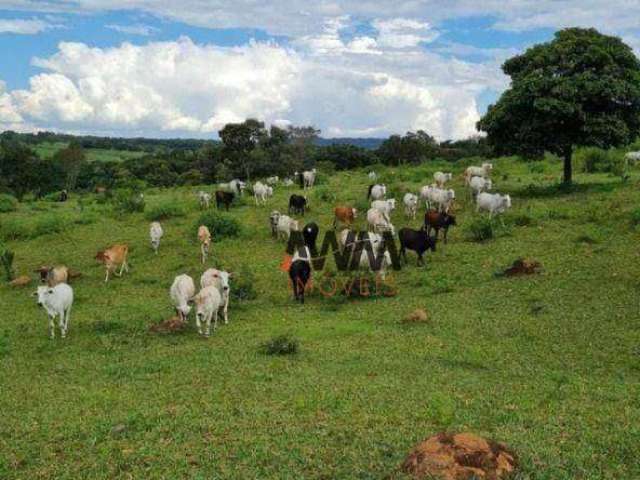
point(235, 186)
point(155, 233)
point(260, 193)
point(64, 196)
point(442, 178)
point(224, 198)
point(300, 272)
point(272, 180)
point(207, 302)
point(287, 182)
point(483, 171)
point(434, 220)
point(273, 222)
point(417, 240)
point(632, 157)
point(112, 257)
point(310, 235)
point(479, 184)
point(181, 292)
point(286, 225)
point(308, 178)
point(494, 203)
point(376, 192)
point(378, 222)
point(204, 199)
point(442, 198)
point(297, 204)
point(378, 246)
point(220, 280)
point(269, 192)
point(410, 201)
point(373, 176)
point(53, 276)
point(204, 237)
point(57, 301)
point(101, 190)
point(385, 207)
point(344, 215)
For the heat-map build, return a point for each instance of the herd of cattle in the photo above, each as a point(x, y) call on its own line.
point(56, 296)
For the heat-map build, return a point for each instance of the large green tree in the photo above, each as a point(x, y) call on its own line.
point(580, 89)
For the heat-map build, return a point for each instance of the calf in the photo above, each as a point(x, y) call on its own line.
point(260, 193)
point(442, 178)
point(344, 215)
point(310, 235)
point(417, 240)
point(299, 273)
point(410, 201)
point(373, 176)
point(112, 257)
point(224, 198)
point(52, 276)
point(286, 225)
point(57, 301)
point(64, 196)
point(297, 204)
point(204, 199)
point(434, 220)
point(220, 280)
point(376, 192)
point(155, 233)
point(207, 302)
point(181, 292)
point(273, 222)
point(309, 178)
point(204, 237)
point(493, 203)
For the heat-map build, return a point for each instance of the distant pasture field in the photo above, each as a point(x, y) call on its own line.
point(49, 149)
point(548, 363)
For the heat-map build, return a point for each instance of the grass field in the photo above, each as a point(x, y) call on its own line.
point(49, 149)
point(547, 363)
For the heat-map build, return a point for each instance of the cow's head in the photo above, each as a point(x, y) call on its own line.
point(42, 293)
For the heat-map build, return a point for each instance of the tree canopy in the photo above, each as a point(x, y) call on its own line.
point(580, 89)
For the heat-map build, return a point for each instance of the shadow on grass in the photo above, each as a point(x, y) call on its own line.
point(560, 189)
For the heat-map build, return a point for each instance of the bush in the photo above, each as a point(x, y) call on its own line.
point(165, 211)
point(635, 217)
point(596, 160)
point(219, 224)
point(325, 194)
point(281, 345)
point(127, 201)
point(8, 203)
point(47, 225)
point(480, 230)
point(536, 167)
point(14, 229)
point(243, 285)
point(519, 219)
point(7, 258)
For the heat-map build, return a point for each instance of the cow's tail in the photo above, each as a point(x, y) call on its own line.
point(369, 192)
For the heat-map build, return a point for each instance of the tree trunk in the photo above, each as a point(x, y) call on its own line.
point(568, 170)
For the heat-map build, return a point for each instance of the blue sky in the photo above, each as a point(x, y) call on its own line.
point(159, 69)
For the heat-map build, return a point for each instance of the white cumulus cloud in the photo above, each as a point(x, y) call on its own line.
point(137, 29)
point(20, 26)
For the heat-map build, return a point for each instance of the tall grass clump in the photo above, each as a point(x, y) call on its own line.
point(243, 285)
point(127, 201)
point(8, 203)
point(480, 230)
point(635, 217)
point(219, 224)
point(14, 229)
point(164, 211)
point(48, 225)
point(597, 160)
point(280, 345)
point(7, 258)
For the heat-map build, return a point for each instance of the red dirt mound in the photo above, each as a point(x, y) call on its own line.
point(172, 325)
point(523, 266)
point(462, 456)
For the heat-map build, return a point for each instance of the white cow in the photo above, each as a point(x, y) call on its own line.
point(208, 301)
point(273, 222)
point(286, 225)
point(306, 178)
point(220, 280)
point(181, 291)
point(57, 301)
point(235, 186)
point(260, 193)
point(204, 199)
point(377, 192)
point(443, 199)
point(442, 178)
point(287, 182)
point(272, 180)
point(410, 201)
point(494, 203)
point(155, 233)
point(373, 176)
point(376, 241)
point(385, 207)
point(378, 222)
point(632, 157)
point(483, 171)
point(480, 184)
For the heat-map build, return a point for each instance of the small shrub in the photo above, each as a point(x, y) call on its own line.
point(127, 201)
point(8, 203)
point(47, 225)
point(220, 225)
point(480, 230)
point(281, 345)
point(596, 160)
point(14, 229)
point(635, 217)
point(165, 211)
point(536, 167)
point(7, 258)
point(243, 285)
point(325, 194)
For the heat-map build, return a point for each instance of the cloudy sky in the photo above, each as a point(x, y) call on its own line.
point(367, 68)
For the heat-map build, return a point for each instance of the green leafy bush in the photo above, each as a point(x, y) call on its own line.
point(127, 201)
point(47, 225)
point(596, 160)
point(219, 224)
point(281, 345)
point(165, 211)
point(8, 203)
point(243, 285)
point(14, 229)
point(480, 229)
point(325, 194)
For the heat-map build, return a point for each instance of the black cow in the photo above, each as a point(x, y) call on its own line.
point(310, 235)
point(297, 204)
point(417, 240)
point(438, 220)
point(64, 196)
point(299, 273)
point(224, 198)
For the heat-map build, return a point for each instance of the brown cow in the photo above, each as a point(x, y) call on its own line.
point(438, 220)
point(112, 257)
point(345, 215)
point(52, 276)
point(204, 236)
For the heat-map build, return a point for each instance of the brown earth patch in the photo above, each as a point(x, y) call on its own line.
point(171, 325)
point(523, 266)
